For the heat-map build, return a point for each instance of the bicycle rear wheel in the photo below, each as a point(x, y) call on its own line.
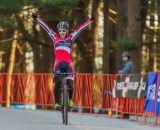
point(65, 104)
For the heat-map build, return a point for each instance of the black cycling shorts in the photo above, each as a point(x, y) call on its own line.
point(61, 67)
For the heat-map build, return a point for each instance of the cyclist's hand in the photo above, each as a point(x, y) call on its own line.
point(93, 17)
point(34, 15)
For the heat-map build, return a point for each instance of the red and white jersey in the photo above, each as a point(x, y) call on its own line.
point(63, 47)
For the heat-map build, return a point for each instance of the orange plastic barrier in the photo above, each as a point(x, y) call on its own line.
point(89, 93)
point(3, 88)
point(30, 89)
point(101, 83)
point(37, 89)
point(134, 106)
point(83, 88)
point(44, 87)
point(1, 83)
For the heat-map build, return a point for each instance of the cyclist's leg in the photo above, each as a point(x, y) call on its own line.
point(56, 91)
point(70, 86)
point(58, 83)
point(69, 80)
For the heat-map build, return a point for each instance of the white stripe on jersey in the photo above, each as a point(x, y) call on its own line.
point(64, 48)
point(69, 77)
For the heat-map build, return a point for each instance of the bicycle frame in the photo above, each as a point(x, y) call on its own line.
point(64, 93)
point(64, 100)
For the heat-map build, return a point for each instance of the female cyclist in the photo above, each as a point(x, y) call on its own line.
point(63, 42)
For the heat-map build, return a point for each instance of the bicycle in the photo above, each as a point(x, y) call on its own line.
point(64, 94)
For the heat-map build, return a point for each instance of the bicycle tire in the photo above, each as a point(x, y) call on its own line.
point(65, 101)
point(62, 103)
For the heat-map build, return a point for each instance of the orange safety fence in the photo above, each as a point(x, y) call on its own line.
point(31, 89)
point(135, 106)
point(89, 93)
point(131, 106)
point(100, 84)
point(83, 86)
point(37, 89)
point(44, 89)
point(1, 83)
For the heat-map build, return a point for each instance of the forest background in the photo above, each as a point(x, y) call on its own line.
point(131, 25)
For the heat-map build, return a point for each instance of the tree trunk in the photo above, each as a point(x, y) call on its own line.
point(45, 59)
point(134, 31)
point(95, 8)
point(86, 43)
point(112, 37)
point(10, 69)
point(106, 40)
point(85, 40)
point(35, 47)
point(121, 27)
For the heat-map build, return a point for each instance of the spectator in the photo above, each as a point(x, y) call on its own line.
point(127, 68)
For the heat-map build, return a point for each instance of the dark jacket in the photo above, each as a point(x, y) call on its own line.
point(127, 68)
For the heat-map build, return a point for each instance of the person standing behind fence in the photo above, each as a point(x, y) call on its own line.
point(127, 65)
point(127, 68)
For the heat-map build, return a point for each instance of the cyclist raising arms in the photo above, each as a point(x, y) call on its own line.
point(63, 42)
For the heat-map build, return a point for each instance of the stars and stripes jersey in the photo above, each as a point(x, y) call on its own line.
point(63, 47)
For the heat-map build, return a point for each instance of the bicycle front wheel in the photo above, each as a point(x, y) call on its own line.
point(62, 103)
point(65, 107)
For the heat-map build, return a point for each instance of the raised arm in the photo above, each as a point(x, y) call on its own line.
point(45, 26)
point(82, 27)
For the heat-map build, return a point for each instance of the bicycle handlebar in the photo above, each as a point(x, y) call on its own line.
point(63, 73)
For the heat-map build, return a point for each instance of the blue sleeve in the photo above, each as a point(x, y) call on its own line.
point(125, 70)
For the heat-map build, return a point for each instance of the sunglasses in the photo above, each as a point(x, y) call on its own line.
point(61, 30)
